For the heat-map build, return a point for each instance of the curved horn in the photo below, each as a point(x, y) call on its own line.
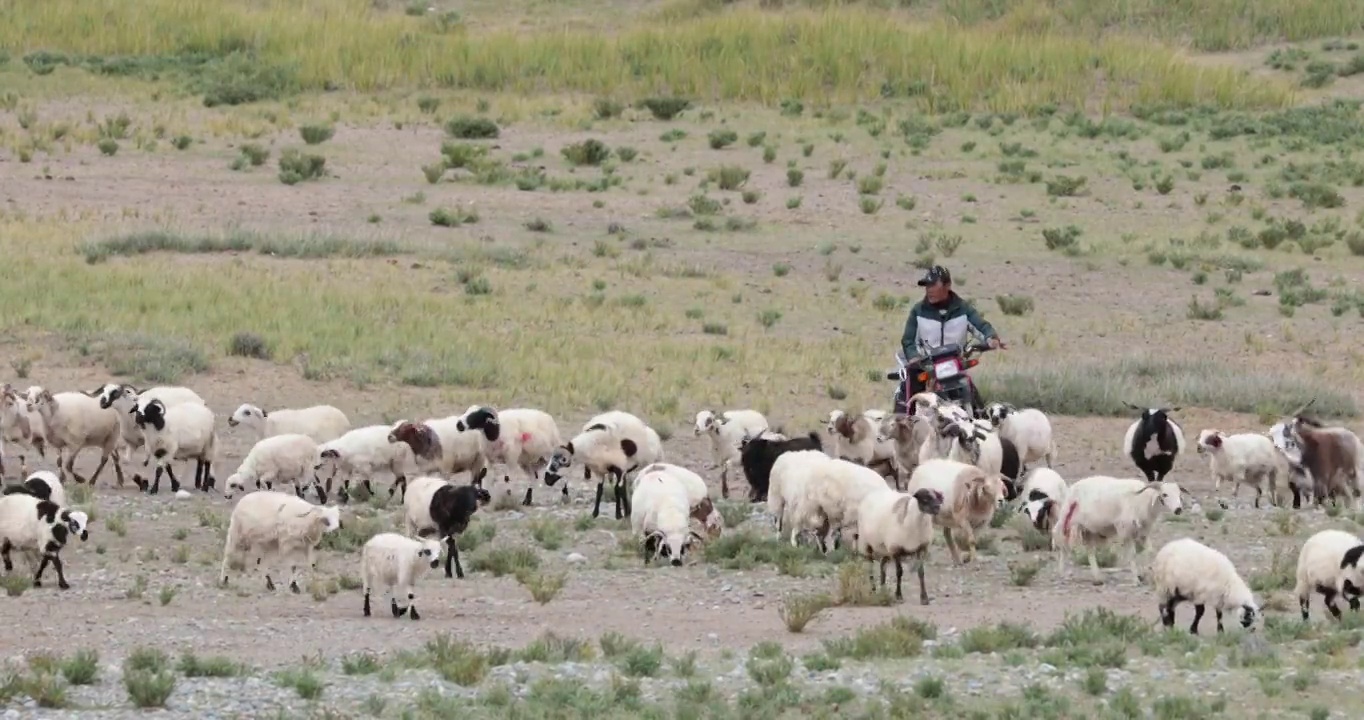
point(1302, 409)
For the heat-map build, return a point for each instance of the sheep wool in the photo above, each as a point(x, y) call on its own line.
point(1329, 564)
point(286, 524)
point(660, 516)
point(39, 529)
point(1243, 459)
point(276, 459)
point(75, 421)
point(364, 451)
point(1186, 570)
point(969, 498)
point(44, 485)
point(699, 504)
point(178, 432)
point(322, 423)
point(1101, 509)
point(726, 434)
point(432, 506)
point(894, 526)
point(523, 438)
point(395, 562)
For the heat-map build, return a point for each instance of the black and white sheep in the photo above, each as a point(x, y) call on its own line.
point(395, 562)
point(1028, 429)
point(274, 522)
point(1186, 570)
point(1329, 564)
point(758, 454)
point(43, 484)
point(1154, 441)
point(39, 528)
point(435, 507)
point(129, 401)
point(179, 432)
point(612, 444)
point(521, 438)
point(438, 446)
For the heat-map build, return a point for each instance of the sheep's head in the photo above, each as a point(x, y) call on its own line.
point(153, 414)
point(423, 440)
point(705, 420)
point(561, 459)
point(929, 501)
point(247, 414)
point(1249, 612)
point(44, 404)
point(235, 483)
point(329, 515)
point(1171, 495)
point(1350, 581)
point(1153, 420)
point(77, 522)
point(430, 549)
point(1210, 441)
point(997, 411)
point(709, 516)
point(670, 546)
point(831, 424)
point(111, 393)
point(483, 419)
point(844, 425)
point(10, 400)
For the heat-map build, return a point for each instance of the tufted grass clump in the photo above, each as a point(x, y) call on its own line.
point(296, 166)
point(467, 127)
point(1014, 305)
point(316, 134)
point(589, 152)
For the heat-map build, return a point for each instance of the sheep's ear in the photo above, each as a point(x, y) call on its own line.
point(1351, 557)
point(568, 448)
point(263, 413)
point(629, 447)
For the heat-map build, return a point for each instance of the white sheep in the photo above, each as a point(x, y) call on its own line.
point(1186, 570)
point(1028, 429)
point(971, 442)
point(438, 446)
point(274, 522)
point(894, 526)
point(76, 421)
point(829, 491)
point(523, 438)
point(1243, 459)
point(699, 503)
point(969, 498)
point(43, 484)
point(21, 427)
point(276, 459)
point(365, 451)
point(39, 528)
point(1329, 564)
point(433, 506)
point(614, 443)
point(1100, 509)
point(726, 433)
point(660, 516)
point(1044, 491)
point(179, 432)
point(396, 562)
point(322, 423)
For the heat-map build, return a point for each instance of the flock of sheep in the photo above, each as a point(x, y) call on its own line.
point(947, 470)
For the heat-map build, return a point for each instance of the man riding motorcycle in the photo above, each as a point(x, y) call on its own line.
point(941, 318)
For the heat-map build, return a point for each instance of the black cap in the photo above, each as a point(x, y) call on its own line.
point(935, 274)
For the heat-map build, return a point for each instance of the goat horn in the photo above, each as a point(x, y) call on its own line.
point(1300, 410)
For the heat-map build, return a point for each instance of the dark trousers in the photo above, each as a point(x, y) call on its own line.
point(915, 387)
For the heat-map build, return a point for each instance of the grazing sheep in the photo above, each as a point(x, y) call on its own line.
point(37, 528)
point(661, 515)
point(278, 458)
point(1154, 441)
point(1186, 570)
point(757, 455)
point(1028, 429)
point(969, 494)
point(1244, 459)
point(21, 427)
point(1329, 564)
point(397, 562)
point(43, 484)
point(833, 490)
point(726, 433)
point(1102, 509)
point(274, 522)
point(699, 504)
point(364, 451)
point(1044, 491)
point(438, 446)
point(178, 432)
point(435, 507)
point(1333, 456)
point(75, 421)
point(322, 423)
point(859, 440)
point(894, 526)
point(523, 438)
point(613, 443)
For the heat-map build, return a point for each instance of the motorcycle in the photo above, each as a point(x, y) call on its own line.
point(943, 371)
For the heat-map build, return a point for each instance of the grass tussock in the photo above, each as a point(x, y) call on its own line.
point(303, 247)
point(1025, 63)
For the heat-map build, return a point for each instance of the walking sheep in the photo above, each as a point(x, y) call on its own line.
point(178, 432)
point(43, 484)
point(76, 421)
point(1329, 564)
point(39, 528)
point(1028, 429)
point(613, 443)
point(364, 451)
point(1186, 570)
point(438, 446)
point(1243, 459)
point(969, 498)
point(1154, 441)
point(396, 562)
point(278, 458)
point(897, 526)
point(1333, 455)
point(1101, 509)
point(278, 523)
point(726, 433)
point(435, 507)
point(523, 438)
point(322, 423)
point(1044, 491)
point(21, 427)
point(758, 454)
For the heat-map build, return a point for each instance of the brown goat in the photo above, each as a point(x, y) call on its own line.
point(1331, 455)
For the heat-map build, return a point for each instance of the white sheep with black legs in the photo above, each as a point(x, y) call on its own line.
point(612, 444)
point(1101, 509)
point(435, 507)
point(395, 562)
point(1044, 491)
point(364, 451)
point(969, 498)
point(276, 459)
point(1186, 570)
point(39, 529)
point(1154, 441)
point(438, 446)
point(128, 400)
point(1243, 459)
point(661, 517)
point(322, 423)
point(1028, 429)
point(277, 523)
point(179, 432)
point(1329, 564)
point(43, 484)
point(76, 421)
point(726, 433)
point(521, 438)
point(896, 526)
point(20, 427)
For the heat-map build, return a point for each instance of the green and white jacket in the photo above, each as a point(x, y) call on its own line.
point(938, 325)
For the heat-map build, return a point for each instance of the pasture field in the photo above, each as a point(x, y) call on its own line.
point(405, 210)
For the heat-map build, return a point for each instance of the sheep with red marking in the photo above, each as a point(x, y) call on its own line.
point(1101, 509)
point(1243, 459)
point(726, 433)
point(523, 438)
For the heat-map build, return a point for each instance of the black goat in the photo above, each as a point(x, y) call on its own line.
point(758, 454)
point(1154, 426)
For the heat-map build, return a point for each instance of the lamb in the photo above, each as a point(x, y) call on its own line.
point(1244, 459)
point(523, 438)
point(1044, 491)
point(613, 443)
point(1154, 441)
point(1107, 509)
point(894, 526)
point(39, 527)
point(660, 515)
point(274, 522)
point(969, 498)
point(1187, 570)
point(699, 504)
point(758, 454)
point(365, 450)
point(1329, 564)
point(44, 485)
point(75, 421)
point(432, 506)
point(19, 426)
point(1333, 455)
point(322, 423)
point(726, 433)
point(278, 458)
point(1028, 429)
point(178, 432)
point(397, 562)
point(859, 440)
point(438, 446)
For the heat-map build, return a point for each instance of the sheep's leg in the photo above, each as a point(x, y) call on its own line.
point(56, 565)
point(970, 534)
point(1329, 598)
point(899, 577)
point(412, 604)
point(103, 460)
point(1258, 494)
point(871, 572)
point(1219, 620)
point(1132, 557)
point(923, 585)
point(1094, 565)
point(601, 488)
point(1167, 612)
point(951, 545)
point(1303, 602)
point(724, 479)
point(321, 494)
point(530, 484)
point(70, 466)
point(1198, 617)
point(5, 547)
point(452, 554)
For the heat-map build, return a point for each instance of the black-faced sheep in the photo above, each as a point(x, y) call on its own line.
point(1186, 570)
point(1329, 564)
point(523, 438)
point(898, 526)
point(759, 453)
point(178, 432)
